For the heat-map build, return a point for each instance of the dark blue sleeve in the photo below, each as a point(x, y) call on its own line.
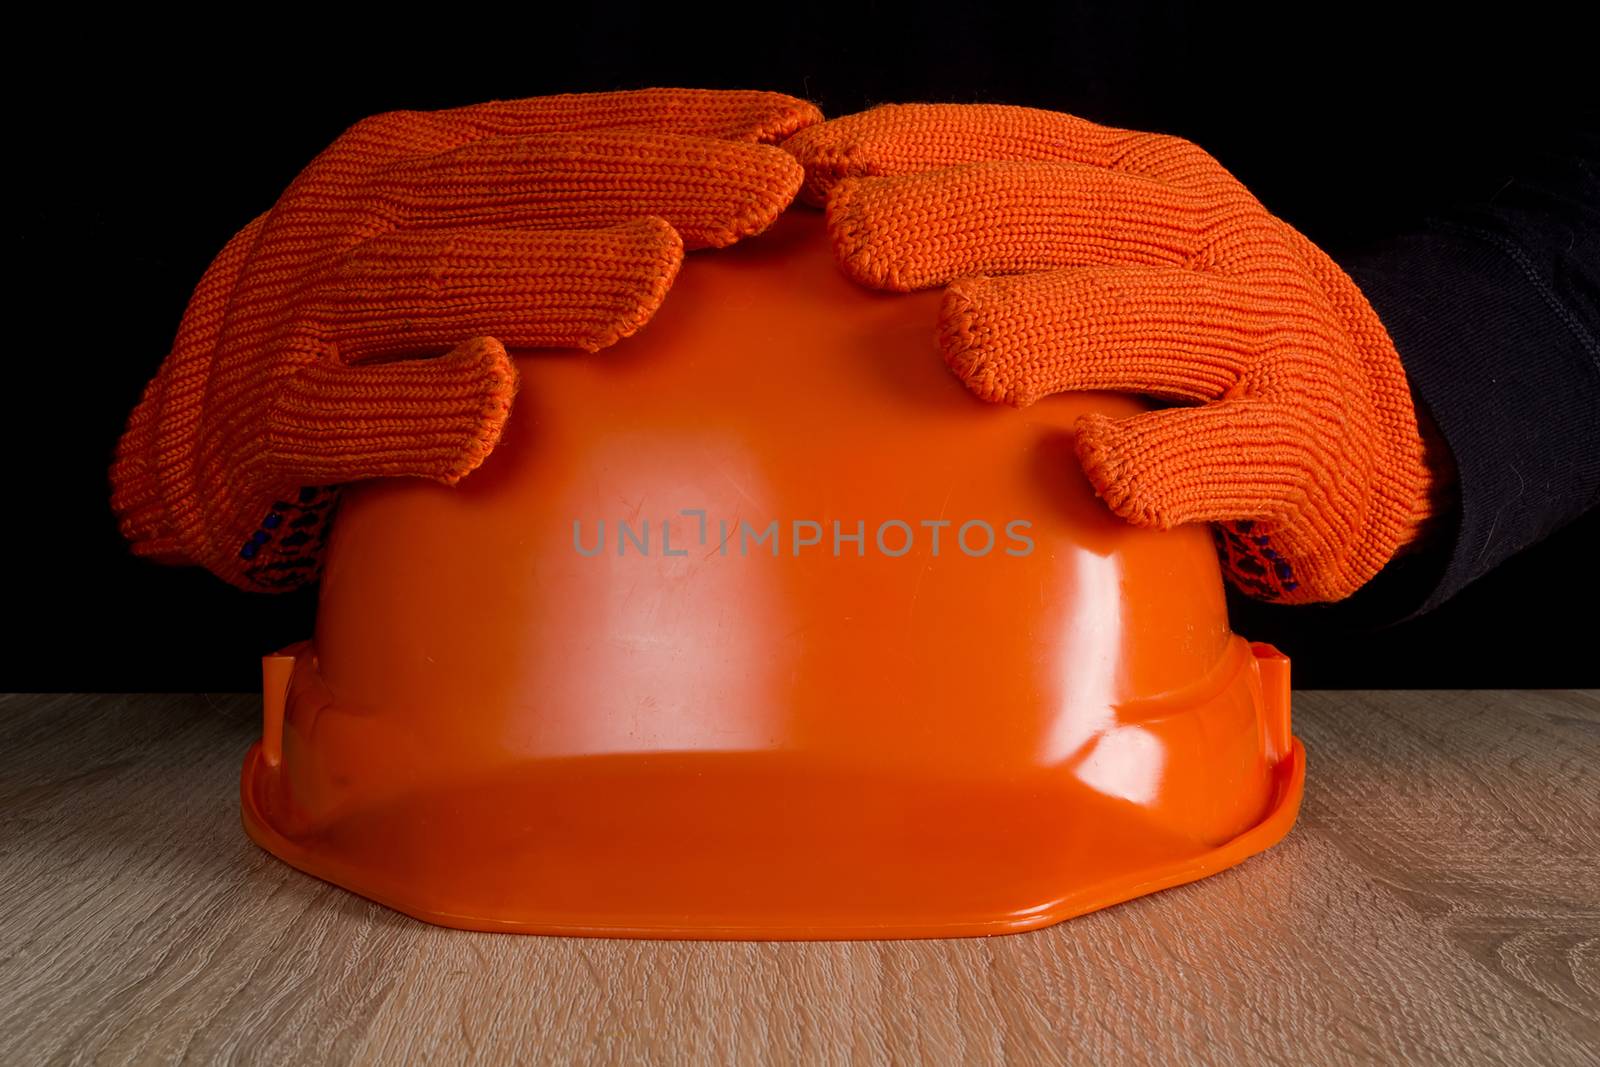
point(1494, 311)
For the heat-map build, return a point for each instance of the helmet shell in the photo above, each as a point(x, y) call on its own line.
point(758, 624)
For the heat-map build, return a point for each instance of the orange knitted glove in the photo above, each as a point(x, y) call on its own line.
point(1134, 262)
point(557, 221)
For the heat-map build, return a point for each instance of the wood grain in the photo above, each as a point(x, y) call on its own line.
point(1438, 903)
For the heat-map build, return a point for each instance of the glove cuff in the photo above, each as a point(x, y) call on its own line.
point(137, 479)
point(1402, 480)
point(154, 492)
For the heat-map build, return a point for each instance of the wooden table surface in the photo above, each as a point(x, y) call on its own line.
point(1438, 902)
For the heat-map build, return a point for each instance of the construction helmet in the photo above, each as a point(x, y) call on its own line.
point(758, 625)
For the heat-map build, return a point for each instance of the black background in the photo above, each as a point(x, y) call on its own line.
point(142, 148)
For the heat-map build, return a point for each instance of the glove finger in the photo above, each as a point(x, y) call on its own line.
point(712, 192)
point(437, 418)
point(900, 139)
point(920, 230)
point(1247, 458)
point(416, 290)
point(724, 114)
point(1166, 332)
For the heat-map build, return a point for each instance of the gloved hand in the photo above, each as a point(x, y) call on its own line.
point(557, 221)
point(1080, 257)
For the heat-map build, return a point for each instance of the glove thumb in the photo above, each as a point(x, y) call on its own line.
point(435, 418)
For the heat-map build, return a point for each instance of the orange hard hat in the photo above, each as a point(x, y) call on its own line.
point(759, 625)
